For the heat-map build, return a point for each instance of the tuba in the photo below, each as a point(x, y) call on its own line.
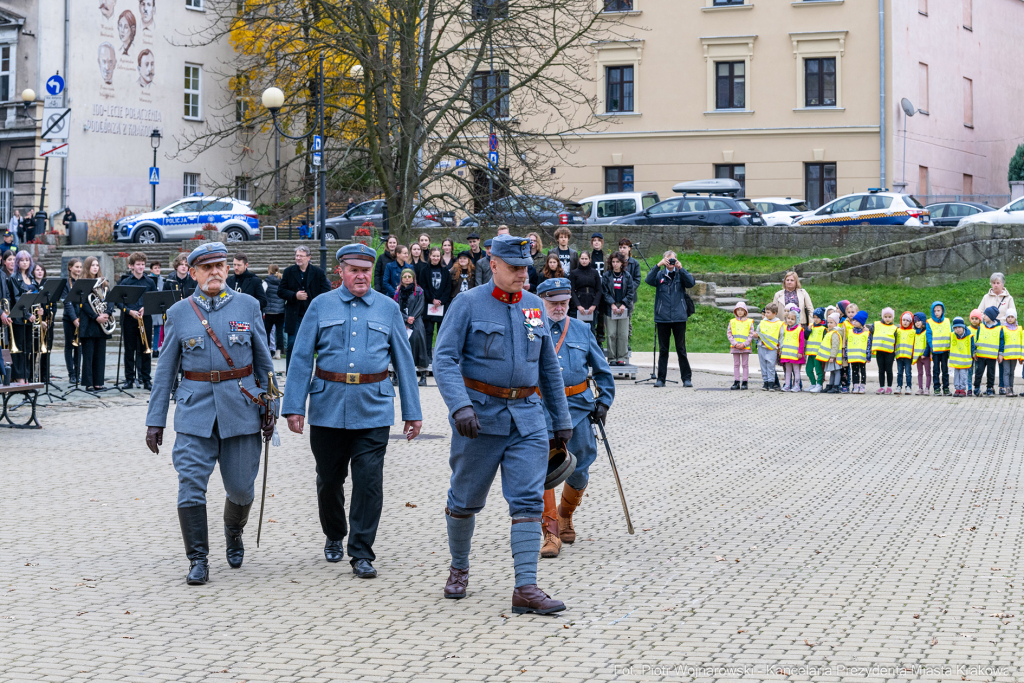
point(99, 306)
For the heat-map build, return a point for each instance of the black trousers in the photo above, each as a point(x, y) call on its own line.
point(665, 331)
point(275, 321)
point(858, 373)
point(136, 363)
point(72, 353)
point(94, 360)
point(940, 369)
point(19, 361)
point(885, 359)
point(981, 365)
point(430, 325)
point(598, 326)
point(334, 450)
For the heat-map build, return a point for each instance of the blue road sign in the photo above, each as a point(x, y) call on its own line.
point(494, 141)
point(317, 143)
point(460, 162)
point(154, 175)
point(492, 159)
point(54, 85)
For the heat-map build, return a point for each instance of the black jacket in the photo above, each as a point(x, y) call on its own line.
point(249, 283)
point(130, 281)
point(443, 291)
point(291, 282)
point(586, 287)
point(608, 289)
point(274, 304)
point(633, 268)
point(173, 284)
point(669, 303)
point(71, 311)
point(378, 270)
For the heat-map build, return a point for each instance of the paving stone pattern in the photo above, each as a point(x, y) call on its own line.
point(808, 533)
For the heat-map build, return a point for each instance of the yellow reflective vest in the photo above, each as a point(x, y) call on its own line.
point(988, 341)
point(883, 338)
point(791, 344)
point(768, 333)
point(1013, 343)
point(740, 330)
point(941, 332)
point(905, 340)
point(857, 347)
point(814, 340)
point(960, 352)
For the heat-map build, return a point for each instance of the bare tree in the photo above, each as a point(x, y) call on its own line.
point(415, 89)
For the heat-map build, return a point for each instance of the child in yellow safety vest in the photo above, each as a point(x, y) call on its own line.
point(988, 350)
point(1013, 350)
point(883, 345)
point(741, 334)
point(974, 324)
point(815, 367)
point(961, 352)
point(924, 361)
point(792, 354)
point(907, 351)
point(831, 353)
point(858, 351)
point(769, 338)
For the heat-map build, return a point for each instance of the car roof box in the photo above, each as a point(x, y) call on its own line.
point(725, 186)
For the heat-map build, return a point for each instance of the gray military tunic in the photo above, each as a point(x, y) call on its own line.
point(214, 421)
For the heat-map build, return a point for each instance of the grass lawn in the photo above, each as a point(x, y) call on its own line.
point(960, 298)
point(705, 329)
point(720, 263)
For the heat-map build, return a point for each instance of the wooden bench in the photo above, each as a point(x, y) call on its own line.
point(31, 392)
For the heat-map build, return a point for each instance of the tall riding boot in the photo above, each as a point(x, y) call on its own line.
point(235, 517)
point(197, 546)
point(552, 543)
point(571, 499)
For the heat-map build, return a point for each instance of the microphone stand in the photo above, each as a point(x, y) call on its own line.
point(654, 353)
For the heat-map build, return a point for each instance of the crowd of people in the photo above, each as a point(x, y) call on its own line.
point(835, 344)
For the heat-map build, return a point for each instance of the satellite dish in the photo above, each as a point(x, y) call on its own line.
point(908, 108)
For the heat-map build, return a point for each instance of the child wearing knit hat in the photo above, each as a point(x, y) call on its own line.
point(975, 325)
point(907, 351)
point(831, 352)
point(741, 334)
point(883, 344)
point(924, 361)
point(961, 351)
point(858, 351)
point(989, 346)
point(1013, 336)
point(815, 368)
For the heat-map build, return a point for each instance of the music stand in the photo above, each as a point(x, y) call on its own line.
point(52, 288)
point(79, 294)
point(123, 295)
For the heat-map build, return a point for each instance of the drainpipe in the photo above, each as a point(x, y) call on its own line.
point(67, 54)
point(881, 92)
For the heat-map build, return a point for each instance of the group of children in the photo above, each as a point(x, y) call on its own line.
point(840, 343)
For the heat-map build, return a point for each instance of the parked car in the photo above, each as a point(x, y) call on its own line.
point(1011, 213)
point(781, 210)
point(181, 220)
point(949, 213)
point(608, 208)
point(343, 227)
point(526, 210)
point(704, 202)
point(874, 207)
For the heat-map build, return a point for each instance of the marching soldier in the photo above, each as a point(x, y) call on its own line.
point(494, 355)
point(578, 354)
point(218, 337)
point(353, 332)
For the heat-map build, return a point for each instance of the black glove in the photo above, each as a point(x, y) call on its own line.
point(155, 438)
point(466, 422)
point(601, 413)
point(267, 427)
point(563, 434)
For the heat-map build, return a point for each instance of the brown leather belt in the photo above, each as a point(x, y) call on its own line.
point(219, 375)
point(499, 392)
point(352, 377)
point(577, 388)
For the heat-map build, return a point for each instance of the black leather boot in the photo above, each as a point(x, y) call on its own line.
point(235, 517)
point(197, 546)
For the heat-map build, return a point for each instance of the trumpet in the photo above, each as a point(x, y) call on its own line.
point(5, 306)
point(39, 330)
point(142, 333)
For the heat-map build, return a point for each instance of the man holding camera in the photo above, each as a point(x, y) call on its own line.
point(671, 281)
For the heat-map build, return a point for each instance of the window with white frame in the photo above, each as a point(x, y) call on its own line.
point(193, 83)
point(6, 72)
point(194, 4)
point(618, 64)
point(242, 188)
point(728, 61)
point(191, 184)
point(819, 69)
point(6, 195)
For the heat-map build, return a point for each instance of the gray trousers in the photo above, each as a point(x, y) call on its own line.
point(767, 358)
point(961, 377)
point(195, 456)
point(618, 337)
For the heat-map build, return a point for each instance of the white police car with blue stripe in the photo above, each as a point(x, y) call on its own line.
point(182, 219)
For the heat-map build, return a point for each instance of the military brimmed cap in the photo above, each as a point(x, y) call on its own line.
point(357, 254)
point(554, 289)
point(211, 252)
point(514, 251)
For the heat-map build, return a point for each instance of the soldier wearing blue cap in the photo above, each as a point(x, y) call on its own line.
point(353, 332)
point(579, 355)
point(494, 361)
point(217, 337)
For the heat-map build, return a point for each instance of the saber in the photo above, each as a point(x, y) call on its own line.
point(598, 425)
point(270, 406)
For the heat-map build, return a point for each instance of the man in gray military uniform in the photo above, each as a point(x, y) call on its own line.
point(579, 354)
point(217, 335)
point(353, 332)
point(493, 356)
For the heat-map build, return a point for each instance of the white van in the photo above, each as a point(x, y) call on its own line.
point(608, 208)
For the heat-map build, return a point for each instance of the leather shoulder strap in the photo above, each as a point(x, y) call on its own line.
point(209, 331)
point(565, 331)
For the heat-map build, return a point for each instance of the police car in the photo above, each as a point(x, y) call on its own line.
point(874, 207)
point(183, 218)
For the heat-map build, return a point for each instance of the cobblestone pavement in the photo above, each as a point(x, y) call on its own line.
point(835, 538)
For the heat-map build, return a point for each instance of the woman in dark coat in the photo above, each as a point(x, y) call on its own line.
point(91, 336)
point(413, 305)
point(273, 315)
point(436, 282)
point(586, 290)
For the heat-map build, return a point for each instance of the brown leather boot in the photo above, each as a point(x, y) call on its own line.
point(552, 544)
point(532, 599)
point(458, 581)
point(571, 499)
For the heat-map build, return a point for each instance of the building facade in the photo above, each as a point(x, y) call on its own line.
point(785, 97)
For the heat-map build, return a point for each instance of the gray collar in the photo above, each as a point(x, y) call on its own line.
point(215, 304)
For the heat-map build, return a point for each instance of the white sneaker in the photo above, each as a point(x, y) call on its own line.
point(815, 388)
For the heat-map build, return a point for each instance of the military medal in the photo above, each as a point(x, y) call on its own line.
point(531, 319)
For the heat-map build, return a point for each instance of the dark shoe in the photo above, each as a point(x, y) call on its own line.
point(766, 387)
point(334, 550)
point(128, 385)
point(687, 383)
point(989, 393)
point(938, 392)
point(945, 392)
point(977, 393)
point(458, 581)
point(363, 569)
point(197, 543)
point(526, 599)
point(1002, 391)
point(743, 386)
point(148, 386)
point(735, 386)
point(423, 381)
point(235, 517)
point(156, 353)
point(660, 383)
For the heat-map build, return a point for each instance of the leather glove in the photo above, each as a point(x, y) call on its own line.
point(466, 422)
point(564, 435)
point(155, 438)
point(267, 427)
point(601, 413)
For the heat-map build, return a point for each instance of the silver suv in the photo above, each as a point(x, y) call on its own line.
point(608, 208)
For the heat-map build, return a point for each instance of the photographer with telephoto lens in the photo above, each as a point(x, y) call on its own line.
point(671, 281)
